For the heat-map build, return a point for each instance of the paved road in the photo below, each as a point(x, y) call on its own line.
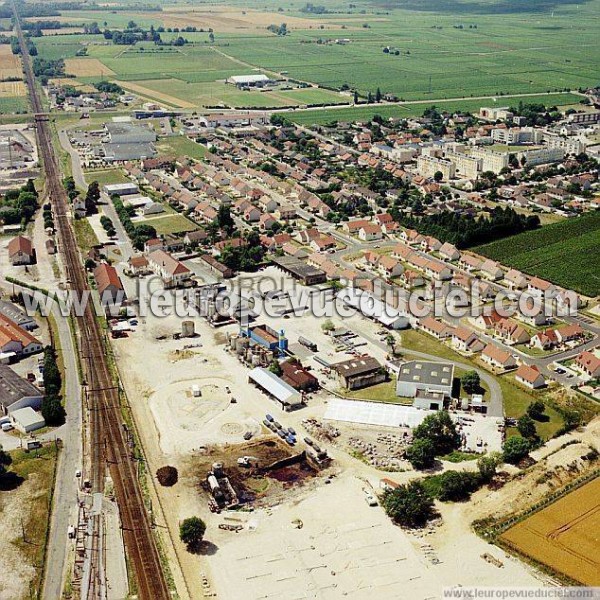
point(64, 506)
point(107, 206)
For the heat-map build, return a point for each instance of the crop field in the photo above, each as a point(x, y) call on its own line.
point(86, 67)
point(12, 88)
point(564, 535)
point(416, 108)
point(566, 253)
point(10, 65)
point(437, 50)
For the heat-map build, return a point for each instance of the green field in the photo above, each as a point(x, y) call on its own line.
point(180, 145)
point(566, 253)
point(14, 104)
point(398, 111)
point(446, 49)
point(170, 224)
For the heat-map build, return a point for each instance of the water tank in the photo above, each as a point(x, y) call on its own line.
point(256, 360)
point(239, 345)
point(188, 329)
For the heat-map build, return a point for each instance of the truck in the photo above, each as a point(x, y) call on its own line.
point(307, 343)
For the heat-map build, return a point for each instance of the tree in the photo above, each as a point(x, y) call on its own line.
point(455, 485)
point(378, 95)
point(355, 97)
point(438, 176)
point(390, 340)
point(191, 532)
point(441, 430)
point(224, 219)
point(211, 37)
point(275, 368)
point(536, 410)
point(409, 505)
point(471, 382)
point(526, 427)
point(5, 460)
point(52, 410)
point(327, 326)
point(421, 454)
point(515, 449)
point(488, 464)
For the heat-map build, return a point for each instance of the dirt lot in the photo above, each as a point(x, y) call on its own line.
point(264, 482)
point(564, 535)
point(86, 67)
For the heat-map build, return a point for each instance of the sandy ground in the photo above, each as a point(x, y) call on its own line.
point(341, 534)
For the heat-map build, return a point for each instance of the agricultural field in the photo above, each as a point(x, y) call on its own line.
point(416, 108)
point(434, 51)
point(566, 253)
point(563, 536)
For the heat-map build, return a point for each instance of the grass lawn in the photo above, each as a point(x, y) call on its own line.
point(85, 235)
point(106, 176)
point(169, 224)
point(180, 145)
point(516, 398)
point(38, 466)
point(382, 392)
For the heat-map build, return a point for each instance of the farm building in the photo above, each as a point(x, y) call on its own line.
point(418, 376)
point(248, 81)
point(16, 339)
point(16, 392)
point(276, 388)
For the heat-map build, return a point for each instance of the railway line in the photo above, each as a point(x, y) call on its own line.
point(107, 438)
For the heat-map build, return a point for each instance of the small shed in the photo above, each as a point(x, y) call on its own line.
point(26, 419)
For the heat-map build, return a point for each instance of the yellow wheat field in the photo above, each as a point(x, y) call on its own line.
point(10, 64)
point(12, 88)
point(86, 67)
point(154, 95)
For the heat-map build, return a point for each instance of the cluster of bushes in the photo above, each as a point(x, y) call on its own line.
point(45, 69)
point(139, 234)
point(108, 226)
point(435, 436)
point(48, 217)
point(108, 87)
point(19, 205)
point(52, 408)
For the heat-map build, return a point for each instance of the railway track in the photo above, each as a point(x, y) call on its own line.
point(108, 442)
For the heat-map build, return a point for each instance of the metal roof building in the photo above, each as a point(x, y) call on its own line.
point(275, 387)
point(16, 392)
point(426, 376)
point(26, 419)
point(375, 413)
point(257, 80)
